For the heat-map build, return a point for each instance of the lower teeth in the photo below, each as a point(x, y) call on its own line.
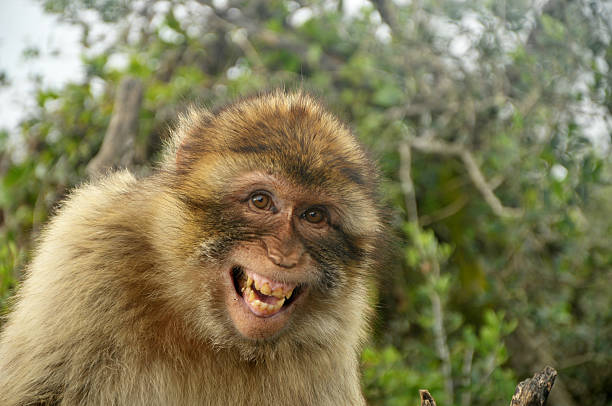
point(250, 297)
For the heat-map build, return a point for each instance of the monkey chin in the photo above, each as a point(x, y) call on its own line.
point(246, 304)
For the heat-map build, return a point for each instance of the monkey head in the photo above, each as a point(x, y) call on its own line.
point(280, 220)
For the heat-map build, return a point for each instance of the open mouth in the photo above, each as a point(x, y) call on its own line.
point(264, 297)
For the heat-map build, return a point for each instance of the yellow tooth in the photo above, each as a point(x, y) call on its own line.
point(265, 289)
point(280, 303)
point(251, 296)
point(278, 293)
point(249, 281)
point(288, 294)
point(260, 305)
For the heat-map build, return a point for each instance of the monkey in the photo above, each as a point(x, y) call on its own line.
point(242, 271)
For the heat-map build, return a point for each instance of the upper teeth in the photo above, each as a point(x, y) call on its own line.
point(255, 286)
point(279, 290)
point(263, 288)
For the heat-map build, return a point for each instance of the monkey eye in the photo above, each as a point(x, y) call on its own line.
point(314, 215)
point(261, 200)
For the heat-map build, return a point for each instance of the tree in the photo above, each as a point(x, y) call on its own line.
point(491, 122)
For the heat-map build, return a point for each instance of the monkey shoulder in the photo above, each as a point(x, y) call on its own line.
point(96, 238)
point(66, 318)
point(97, 218)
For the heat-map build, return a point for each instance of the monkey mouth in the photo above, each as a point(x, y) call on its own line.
point(264, 297)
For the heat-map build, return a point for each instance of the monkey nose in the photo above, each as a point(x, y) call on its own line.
point(284, 260)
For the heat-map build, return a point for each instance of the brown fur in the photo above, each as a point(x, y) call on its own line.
point(120, 305)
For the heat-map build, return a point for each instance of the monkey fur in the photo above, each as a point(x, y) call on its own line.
point(136, 292)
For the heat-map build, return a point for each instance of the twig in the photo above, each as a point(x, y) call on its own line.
point(440, 339)
point(444, 212)
point(466, 397)
point(258, 35)
point(527, 104)
point(406, 183)
point(241, 38)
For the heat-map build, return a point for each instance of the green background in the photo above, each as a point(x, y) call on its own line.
point(481, 116)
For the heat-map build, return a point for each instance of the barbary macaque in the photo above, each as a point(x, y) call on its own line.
point(239, 273)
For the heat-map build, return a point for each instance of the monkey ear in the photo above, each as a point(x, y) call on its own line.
point(188, 138)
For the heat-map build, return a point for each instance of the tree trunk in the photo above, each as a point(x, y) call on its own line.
point(117, 149)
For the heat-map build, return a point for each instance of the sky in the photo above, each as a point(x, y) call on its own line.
point(23, 24)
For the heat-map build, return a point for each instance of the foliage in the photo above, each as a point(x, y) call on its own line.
point(484, 294)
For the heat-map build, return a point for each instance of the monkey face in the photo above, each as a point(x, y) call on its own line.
point(279, 256)
point(282, 219)
point(273, 272)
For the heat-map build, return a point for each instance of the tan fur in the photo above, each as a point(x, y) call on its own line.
point(120, 306)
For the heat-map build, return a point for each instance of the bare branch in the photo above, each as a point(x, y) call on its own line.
point(429, 145)
point(466, 397)
point(405, 176)
point(241, 38)
point(530, 101)
point(436, 302)
point(292, 43)
point(482, 185)
point(440, 339)
point(257, 35)
point(444, 212)
point(388, 13)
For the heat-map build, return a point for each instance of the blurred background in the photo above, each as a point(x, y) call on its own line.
point(491, 121)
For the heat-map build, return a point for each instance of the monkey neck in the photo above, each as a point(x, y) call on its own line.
point(192, 368)
point(328, 376)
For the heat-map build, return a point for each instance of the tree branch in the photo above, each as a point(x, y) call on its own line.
point(440, 338)
point(429, 145)
point(444, 212)
point(406, 183)
point(436, 302)
point(388, 13)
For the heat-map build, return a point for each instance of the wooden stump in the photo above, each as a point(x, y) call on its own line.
point(426, 398)
point(534, 391)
